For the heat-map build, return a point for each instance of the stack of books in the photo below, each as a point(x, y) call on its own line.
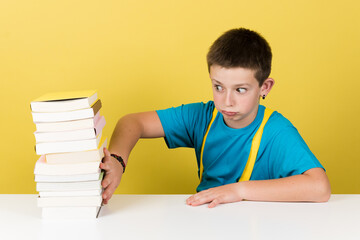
point(70, 144)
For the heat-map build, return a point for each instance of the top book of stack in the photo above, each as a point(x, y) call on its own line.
point(65, 106)
point(64, 101)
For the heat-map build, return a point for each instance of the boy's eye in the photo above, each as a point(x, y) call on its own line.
point(241, 90)
point(218, 88)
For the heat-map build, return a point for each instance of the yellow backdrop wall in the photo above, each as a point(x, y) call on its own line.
point(146, 55)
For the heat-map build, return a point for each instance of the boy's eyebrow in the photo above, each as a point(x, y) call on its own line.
point(216, 81)
point(237, 85)
point(242, 84)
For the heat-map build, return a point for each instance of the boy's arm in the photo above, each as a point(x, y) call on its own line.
point(311, 186)
point(129, 129)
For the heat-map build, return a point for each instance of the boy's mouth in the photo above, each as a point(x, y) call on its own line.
point(229, 114)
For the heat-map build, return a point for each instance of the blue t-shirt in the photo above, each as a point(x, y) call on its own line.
point(282, 150)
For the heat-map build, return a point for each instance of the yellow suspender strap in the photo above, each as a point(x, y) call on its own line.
point(253, 151)
point(204, 140)
point(255, 147)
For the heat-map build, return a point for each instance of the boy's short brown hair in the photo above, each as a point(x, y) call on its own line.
point(242, 48)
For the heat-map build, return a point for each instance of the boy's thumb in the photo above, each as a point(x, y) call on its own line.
point(106, 152)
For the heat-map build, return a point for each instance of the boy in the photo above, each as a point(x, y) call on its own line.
point(226, 134)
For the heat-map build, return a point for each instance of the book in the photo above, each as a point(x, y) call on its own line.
point(70, 212)
point(68, 125)
point(64, 101)
point(67, 116)
point(69, 186)
point(77, 157)
point(68, 146)
point(43, 168)
point(68, 178)
point(92, 192)
point(71, 135)
point(86, 201)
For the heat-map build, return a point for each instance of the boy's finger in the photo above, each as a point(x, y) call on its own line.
point(201, 198)
point(214, 203)
point(106, 181)
point(105, 166)
point(108, 192)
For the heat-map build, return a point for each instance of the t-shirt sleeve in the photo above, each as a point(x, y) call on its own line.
point(179, 124)
point(290, 154)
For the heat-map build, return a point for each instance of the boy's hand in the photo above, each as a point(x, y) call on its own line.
point(223, 194)
point(113, 173)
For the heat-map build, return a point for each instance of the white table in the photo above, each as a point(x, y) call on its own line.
point(168, 217)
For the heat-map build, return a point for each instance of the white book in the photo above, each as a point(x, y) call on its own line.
point(93, 192)
point(73, 135)
point(67, 116)
point(86, 201)
point(68, 178)
point(68, 146)
point(69, 186)
point(68, 125)
point(64, 101)
point(95, 155)
point(70, 212)
point(43, 168)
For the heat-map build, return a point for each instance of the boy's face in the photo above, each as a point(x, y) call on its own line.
point(236, 94)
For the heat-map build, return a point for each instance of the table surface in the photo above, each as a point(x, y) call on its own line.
point(168, 217)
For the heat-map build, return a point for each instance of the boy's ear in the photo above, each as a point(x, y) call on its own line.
point(267, 86)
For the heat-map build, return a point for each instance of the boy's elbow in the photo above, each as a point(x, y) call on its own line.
point(324, 193)
point(320, 185)
point(323, 189)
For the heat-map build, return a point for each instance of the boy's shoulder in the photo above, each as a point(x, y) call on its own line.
point(191, 114)
point(278, 124)
point(277, 119)
point(200, 112)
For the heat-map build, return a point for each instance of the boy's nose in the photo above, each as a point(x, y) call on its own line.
point(229, 99)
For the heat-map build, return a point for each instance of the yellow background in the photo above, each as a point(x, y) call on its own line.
point(146, 55)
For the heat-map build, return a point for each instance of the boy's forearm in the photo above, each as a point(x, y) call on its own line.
point(304, 187)
point(311, 186)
